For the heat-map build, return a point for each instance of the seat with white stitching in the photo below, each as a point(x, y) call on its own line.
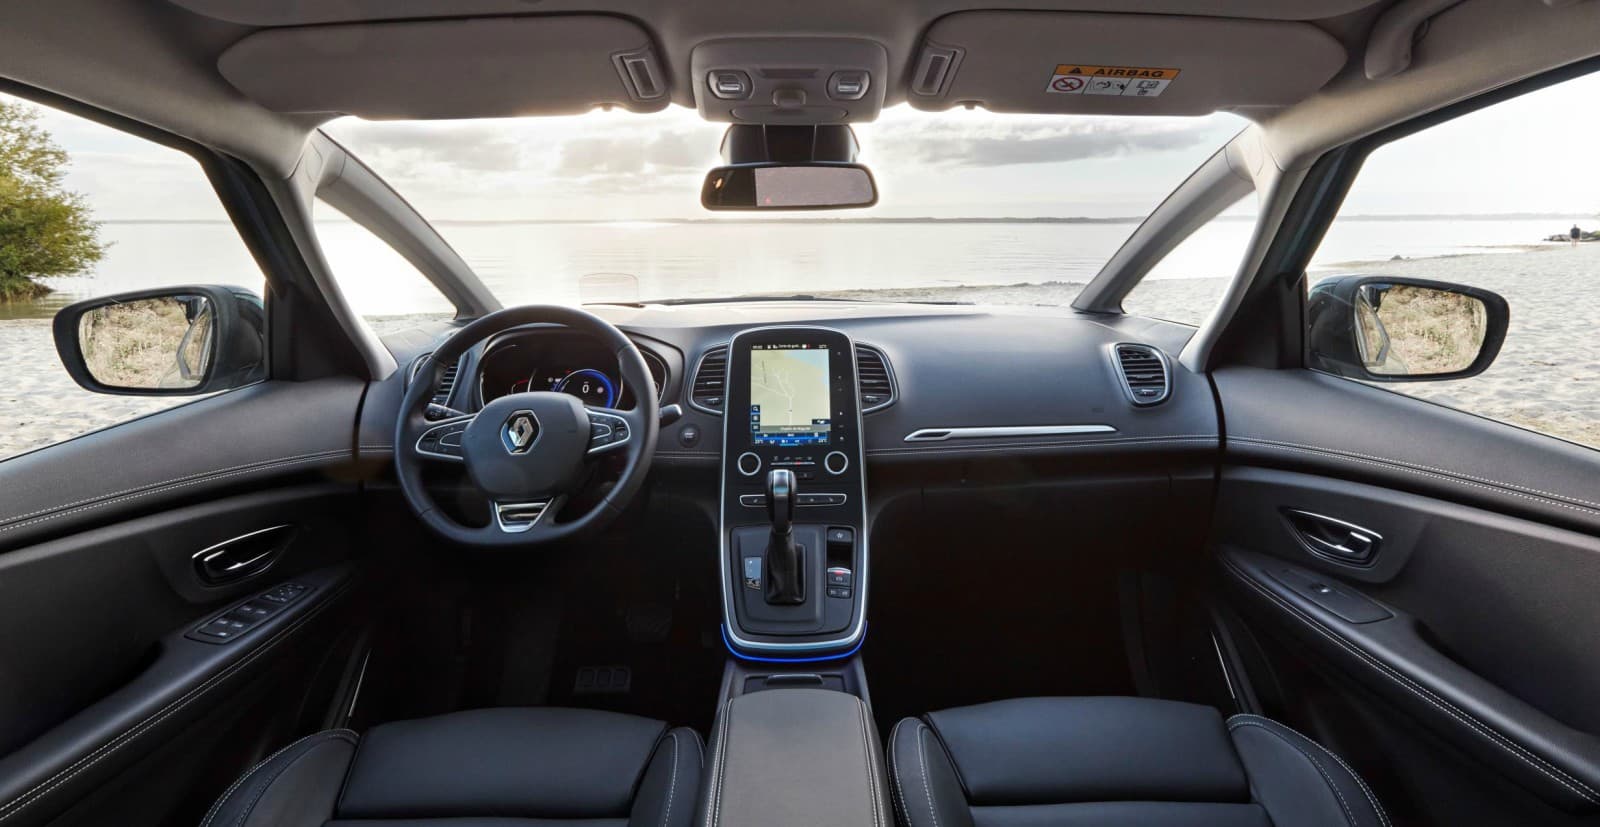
point(1117, 761)
point(481, 768)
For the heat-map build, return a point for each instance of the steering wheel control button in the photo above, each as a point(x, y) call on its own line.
point(520, 432)
point(443, 441)
point(749, 463)
point(836, 462)
point(606, 431)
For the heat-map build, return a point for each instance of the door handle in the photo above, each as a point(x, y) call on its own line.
point(1333, 539)
point(243, 556)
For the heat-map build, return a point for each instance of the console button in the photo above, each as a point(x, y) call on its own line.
point(755, 500)
point(841, 536)
point(836, 462)
point(840, 576)
point(839, 591)
point(749, 463)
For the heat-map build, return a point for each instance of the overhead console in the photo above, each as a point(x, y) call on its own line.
point(793, 526)
point(810, 80)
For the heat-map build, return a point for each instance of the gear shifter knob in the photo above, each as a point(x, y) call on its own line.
point(781, 494)
point(785, 584)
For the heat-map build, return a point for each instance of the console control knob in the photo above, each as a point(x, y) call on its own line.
point(836, 462)
point(749, 463)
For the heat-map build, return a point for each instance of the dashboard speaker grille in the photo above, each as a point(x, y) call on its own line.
point(706, 391)
point(875, 379)
point(1144, 373)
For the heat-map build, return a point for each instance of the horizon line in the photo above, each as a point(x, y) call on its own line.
point(1070, 219)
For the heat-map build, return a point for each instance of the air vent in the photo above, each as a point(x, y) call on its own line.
point(447, 380)
point(1144, 373)
point(706, 392)
point(875, 379)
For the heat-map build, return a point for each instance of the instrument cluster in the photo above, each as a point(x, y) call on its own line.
point(559, 361)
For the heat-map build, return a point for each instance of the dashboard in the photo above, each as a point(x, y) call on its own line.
point(556, 360)
point(954, 384)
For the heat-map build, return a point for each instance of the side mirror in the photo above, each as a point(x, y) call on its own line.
point(170, 341)
point(815, 185)
point(1386, 329)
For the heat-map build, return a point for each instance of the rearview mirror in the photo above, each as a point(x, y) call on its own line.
point(789, 186)
point(175, 341)
point(1385, 329)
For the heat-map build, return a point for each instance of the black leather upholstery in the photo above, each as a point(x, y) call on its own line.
point(483, 768)
point(1117, 761)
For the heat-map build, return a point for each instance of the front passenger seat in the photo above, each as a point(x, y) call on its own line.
point(1115, 762)
point(482, 768)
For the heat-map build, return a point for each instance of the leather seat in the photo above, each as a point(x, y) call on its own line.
point(483, 768)
point(1117, 761)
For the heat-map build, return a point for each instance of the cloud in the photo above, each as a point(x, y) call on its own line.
point(953, 143)
point(410, 149)
point(662, 153)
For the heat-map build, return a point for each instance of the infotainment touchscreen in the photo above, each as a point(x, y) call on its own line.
point(790, 402)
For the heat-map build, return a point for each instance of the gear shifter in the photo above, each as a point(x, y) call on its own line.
point(784, 585)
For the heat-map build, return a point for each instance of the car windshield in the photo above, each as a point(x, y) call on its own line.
point(605, 206)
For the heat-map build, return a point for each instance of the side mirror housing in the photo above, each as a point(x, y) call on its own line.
point(1397, 329)
point(169, 341)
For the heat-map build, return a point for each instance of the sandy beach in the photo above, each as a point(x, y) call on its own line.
point(1547, 377)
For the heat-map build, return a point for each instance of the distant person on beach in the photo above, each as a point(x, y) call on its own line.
point(1576, 234)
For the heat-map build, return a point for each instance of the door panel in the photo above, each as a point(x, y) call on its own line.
point(113, 707)
point(234, 441)
point(1483, 622)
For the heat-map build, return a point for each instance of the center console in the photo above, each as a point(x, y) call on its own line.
point(793, 515)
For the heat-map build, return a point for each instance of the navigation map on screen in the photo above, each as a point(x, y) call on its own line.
point(789, 399)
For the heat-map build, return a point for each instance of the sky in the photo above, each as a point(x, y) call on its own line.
point(1532, 154)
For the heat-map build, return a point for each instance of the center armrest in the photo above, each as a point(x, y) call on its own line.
point(795, 758)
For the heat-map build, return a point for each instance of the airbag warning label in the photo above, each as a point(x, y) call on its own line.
point(1122, 81)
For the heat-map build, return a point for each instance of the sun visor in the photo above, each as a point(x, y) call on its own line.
point(1118, 64)
point(481, 68)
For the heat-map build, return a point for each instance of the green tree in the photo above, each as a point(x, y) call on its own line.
point(45, 230)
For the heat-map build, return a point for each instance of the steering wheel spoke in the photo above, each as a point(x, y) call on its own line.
point(442, 440)
point(610, 429)
point(522, 517)
point(526, 452)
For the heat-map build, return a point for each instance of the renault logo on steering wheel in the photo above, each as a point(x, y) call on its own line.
point(520, 432)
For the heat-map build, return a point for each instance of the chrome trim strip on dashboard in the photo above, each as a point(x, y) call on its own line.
point(858, 625)
point(943, 434)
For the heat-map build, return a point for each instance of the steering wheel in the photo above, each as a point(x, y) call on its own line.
point(527, 452)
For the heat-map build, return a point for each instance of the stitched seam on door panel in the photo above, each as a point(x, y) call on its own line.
point(1516, 750)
